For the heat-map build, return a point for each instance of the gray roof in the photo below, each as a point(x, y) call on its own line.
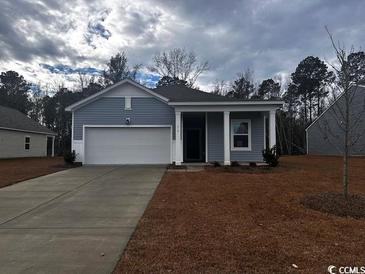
point(13, 119)
point(180, 93)
point(176, 94)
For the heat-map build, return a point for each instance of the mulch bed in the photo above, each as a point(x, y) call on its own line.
point(241, 169)
point(336, 204)
point(19, 169)
point(232, 222)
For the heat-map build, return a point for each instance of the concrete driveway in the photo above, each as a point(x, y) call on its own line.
point(73, 221)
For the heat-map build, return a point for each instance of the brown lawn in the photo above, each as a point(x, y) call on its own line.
point(19, 169)
point(222, 222)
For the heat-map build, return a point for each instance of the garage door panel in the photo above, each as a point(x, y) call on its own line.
point(127, 145)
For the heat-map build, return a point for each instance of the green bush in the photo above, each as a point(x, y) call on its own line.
point(271, 157)
point(216, 164)
point(235, 164)
point(69, 157)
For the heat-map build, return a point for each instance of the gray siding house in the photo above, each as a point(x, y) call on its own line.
point(128, 123)
point(325, 136)
point(21, 136)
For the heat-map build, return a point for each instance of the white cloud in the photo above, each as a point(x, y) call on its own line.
point(270, 36)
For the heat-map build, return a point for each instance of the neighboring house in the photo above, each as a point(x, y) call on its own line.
point(20, 136)
point(128, 123)
point(325, 136)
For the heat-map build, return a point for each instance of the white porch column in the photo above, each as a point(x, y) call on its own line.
point(53, 138)
point(227, 149)
point(178, 147)
point(272, 132)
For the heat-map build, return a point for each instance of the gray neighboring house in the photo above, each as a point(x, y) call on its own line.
point(21, 136)
point(324, 135)
point(128, 123)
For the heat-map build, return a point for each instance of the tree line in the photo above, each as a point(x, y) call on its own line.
point(310, 90)
point(306, 95)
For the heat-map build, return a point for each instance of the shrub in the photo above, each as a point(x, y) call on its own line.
point(216, 164)
point(69, 157)
point(271, 157)
point(252, 164)
point(235, 163)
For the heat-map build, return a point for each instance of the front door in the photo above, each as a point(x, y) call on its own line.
point(193, 145)
point(49, 146)
point(194, 137)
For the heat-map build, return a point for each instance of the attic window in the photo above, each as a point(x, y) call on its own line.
point(27, 143)
point(128, 103)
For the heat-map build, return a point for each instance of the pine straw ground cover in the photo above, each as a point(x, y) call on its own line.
point(19, 169)
point(221, 222)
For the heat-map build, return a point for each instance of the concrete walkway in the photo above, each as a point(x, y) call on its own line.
point(73, 221)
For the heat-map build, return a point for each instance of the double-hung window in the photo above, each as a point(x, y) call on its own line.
point(240, 134)
point(27, 143)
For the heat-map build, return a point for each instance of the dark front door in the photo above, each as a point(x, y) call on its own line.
point(49, 146)
point(194, 137)
point(193, 145)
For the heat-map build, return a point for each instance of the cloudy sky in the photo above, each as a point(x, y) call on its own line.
point(50, 41)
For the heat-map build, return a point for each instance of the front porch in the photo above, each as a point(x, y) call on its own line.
point(223, 136)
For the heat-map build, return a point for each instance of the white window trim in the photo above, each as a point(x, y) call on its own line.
point(127, 103)
point(25, 142)
point(233, 148)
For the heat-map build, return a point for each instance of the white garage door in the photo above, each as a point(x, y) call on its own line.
point(132, 145)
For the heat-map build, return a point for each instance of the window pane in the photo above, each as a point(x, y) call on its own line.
point(240, 127)
point(240, 140)
point(27, 139)
point(27, 146)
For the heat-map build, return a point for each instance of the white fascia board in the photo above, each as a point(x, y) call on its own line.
point(98, 94)
point(126, 126)
point(29, 131)
point(227, 103)
point(331, 105)
point(225, 108)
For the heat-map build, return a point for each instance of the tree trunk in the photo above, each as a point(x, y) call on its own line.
point(305, 111)
point(310, 109)
point(346, 174)
point(347, 146)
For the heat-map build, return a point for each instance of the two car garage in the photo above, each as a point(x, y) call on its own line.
point(127, 145)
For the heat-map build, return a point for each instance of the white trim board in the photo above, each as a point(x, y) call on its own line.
point(249, 135)
point(224, 108)
point(29, 131)
point(332, 104)
point(227, 103)
point(100, 93)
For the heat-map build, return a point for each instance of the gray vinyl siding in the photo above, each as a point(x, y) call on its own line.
point(216, 137)
point(325, 136)
point(12, 144)
point(110, 111)
point(257, 137)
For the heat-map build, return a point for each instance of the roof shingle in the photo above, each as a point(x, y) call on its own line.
point(180, 93)
point(13, 119)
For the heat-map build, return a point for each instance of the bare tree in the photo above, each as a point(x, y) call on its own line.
point(220, 88)
point(179, 64)
point(343, 127)
point(84, 80)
